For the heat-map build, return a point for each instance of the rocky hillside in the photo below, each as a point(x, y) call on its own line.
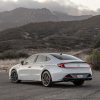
point(58, 35)
point(22, 16)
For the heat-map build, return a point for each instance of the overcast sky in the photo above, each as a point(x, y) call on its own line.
point(74, 7)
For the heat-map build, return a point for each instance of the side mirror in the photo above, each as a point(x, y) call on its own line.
point(22, 62)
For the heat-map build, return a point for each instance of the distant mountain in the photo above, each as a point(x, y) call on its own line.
point(22, 16)
point(58, 35)
point(65, 17)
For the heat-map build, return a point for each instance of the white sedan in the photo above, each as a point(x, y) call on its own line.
point(49, 68)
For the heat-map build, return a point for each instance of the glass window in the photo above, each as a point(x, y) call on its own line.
point(64, 57)
point(41, 58)
point(31, 59)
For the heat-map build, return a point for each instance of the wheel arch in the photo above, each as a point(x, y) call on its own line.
point(14, 69)
point(47, 71)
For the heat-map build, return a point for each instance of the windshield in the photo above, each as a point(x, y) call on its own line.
point(64, 57)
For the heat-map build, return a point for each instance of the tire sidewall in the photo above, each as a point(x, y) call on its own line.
point(14, 81)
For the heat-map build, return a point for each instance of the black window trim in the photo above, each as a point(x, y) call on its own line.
point(36, 58)
point(47, 58)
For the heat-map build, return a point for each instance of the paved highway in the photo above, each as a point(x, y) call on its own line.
point(61, 91)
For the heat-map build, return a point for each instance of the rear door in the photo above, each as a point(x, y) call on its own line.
point(38, 66)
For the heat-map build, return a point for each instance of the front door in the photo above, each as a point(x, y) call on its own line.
point(26, 70)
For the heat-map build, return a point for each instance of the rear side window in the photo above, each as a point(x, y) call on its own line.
point(41, 58)
point(64, 57)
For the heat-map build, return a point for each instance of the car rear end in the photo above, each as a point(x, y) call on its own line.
point(72, 69)
point(76, 71)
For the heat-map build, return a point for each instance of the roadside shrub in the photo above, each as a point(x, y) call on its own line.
point(97, 44)
point(94, 59)
point(13, 55)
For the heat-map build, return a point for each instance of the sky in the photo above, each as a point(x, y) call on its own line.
point(73, 7)
point(91, 4)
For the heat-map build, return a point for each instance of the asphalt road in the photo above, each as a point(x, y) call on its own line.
point(61, 91)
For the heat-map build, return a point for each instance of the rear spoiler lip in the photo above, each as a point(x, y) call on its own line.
point(75, 62)
point(75, 67)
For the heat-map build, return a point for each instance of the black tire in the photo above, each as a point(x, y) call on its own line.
point(14, 77)
point(46, 79)
point(78, 82)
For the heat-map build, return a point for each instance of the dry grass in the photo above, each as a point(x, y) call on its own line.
point(7, 64)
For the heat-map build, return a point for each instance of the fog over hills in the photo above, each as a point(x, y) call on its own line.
point(59, 35)
point(21, 16)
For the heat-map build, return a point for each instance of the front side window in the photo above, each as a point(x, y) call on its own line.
point(31, 59)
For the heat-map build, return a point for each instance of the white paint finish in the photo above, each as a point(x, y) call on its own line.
point(33, 70)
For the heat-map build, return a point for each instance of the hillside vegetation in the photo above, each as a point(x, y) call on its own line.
point(58, 35)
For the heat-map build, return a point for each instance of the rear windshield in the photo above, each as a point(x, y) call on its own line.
point(64, 57)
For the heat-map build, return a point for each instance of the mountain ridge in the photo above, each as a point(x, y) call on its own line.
point(21, 16)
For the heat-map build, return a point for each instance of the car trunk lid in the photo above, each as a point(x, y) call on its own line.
point(76, 65)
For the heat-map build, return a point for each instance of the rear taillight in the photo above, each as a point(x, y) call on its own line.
point(61, 65)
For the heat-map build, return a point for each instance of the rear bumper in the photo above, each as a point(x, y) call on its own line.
point(61, 73)
point(73, 77)
point(76, 79)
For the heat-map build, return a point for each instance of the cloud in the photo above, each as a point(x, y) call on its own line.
point(54, 5)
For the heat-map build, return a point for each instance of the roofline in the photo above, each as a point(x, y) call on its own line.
point(51, 53)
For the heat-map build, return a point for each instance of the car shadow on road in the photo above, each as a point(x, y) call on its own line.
point(57, 85)
point(69, 85)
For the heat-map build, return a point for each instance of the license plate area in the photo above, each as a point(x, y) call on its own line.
point(80, 76)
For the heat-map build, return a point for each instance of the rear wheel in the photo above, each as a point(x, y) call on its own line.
point(78, 82)
point(14, 77)
point(46, 79)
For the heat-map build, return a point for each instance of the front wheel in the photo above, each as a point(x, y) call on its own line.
point(78, 82)
point(14, 77)
point(46, 79)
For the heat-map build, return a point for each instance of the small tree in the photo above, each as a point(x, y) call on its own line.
point(94, 59)
point(97, 44)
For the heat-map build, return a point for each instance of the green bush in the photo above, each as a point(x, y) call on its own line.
point(13, 55)
point(94, 59)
